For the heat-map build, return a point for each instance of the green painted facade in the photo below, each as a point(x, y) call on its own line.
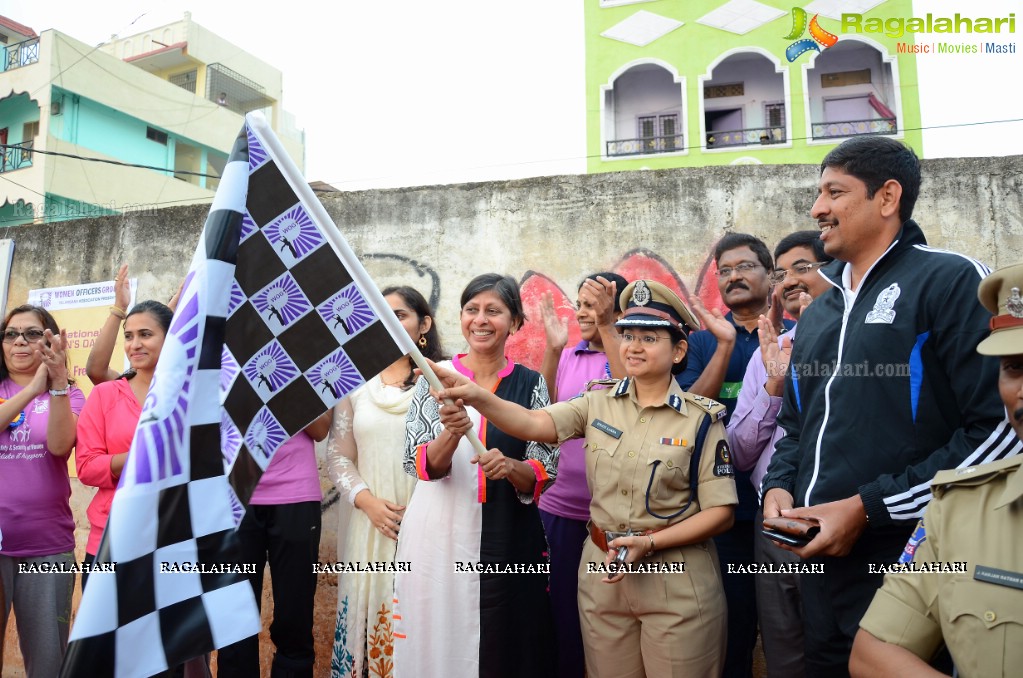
point(618, 124)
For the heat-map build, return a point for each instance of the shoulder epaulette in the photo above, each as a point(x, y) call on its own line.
point(601, 384)
point(621, 389)
point(975, 475)
point(711, 407)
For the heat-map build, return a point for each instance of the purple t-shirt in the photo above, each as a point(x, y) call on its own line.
point(292, 475)
point(34, 485)
point(569, 496)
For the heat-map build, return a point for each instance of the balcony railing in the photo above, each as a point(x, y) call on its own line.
point(668, 144)
point(849, 128)
point(16, 156)
point(746, 137)
point(21, 54)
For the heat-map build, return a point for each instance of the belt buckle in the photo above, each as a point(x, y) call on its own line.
point(609, 536)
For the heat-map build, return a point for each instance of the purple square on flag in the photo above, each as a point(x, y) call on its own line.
point(257, 154)
point(270, 370)
point(346, 313)
point(293, 235)
point(230, 439)
point(229, 369)
point(236, 299)
point(264, 436)
point(280, 303)
point(334, 377)
point(248, 227)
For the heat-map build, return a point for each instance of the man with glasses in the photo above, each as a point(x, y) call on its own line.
point(718, 357)
point(886, 389)
point(753, 431)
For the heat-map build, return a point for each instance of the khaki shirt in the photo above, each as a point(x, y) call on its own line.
point(975, 519)
point(627, 444)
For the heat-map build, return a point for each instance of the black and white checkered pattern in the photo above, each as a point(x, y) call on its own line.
point(270, 332)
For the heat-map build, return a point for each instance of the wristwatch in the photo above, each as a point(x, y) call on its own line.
point(60, 392)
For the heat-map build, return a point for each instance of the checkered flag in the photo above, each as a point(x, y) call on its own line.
point(276, 322)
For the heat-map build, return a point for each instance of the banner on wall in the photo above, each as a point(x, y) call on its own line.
point(82, 310)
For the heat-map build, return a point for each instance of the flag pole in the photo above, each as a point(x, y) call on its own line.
point(316, 210)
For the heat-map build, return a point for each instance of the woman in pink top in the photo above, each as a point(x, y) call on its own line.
point(38, 409)
point(565, 507)
point(108, 422)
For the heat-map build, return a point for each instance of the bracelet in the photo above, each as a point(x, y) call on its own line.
point(118, 311)
point(652, 547)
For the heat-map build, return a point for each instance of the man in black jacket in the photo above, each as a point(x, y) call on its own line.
point(886, 389)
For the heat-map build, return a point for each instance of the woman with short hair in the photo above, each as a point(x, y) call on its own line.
point(474, 602)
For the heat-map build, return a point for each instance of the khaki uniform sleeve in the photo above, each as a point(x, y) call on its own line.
point(717, 475)
point(570, 417)
point(903, 611)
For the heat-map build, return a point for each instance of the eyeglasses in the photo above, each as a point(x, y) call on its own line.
point(646, 339)
point(743, 269)
point(779, 276)
point(31, 336)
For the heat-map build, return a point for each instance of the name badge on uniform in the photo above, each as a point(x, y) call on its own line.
point(723, 460)
point(606, 428)
point(1000, 577)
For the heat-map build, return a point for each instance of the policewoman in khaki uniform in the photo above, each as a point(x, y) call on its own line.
point(660, 473)
point(965, 587)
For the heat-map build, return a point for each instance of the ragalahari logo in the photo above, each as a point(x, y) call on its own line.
point(799, 26)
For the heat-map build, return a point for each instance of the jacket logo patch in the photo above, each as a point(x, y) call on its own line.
point(723, 460)
point(884, 305)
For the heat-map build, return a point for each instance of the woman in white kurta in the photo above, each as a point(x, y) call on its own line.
point(364, 460)
point(474, 602)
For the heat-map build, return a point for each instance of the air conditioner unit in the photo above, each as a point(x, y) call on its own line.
point(55, 108)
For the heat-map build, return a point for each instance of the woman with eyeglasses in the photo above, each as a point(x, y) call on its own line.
point(658, 465)
point(474, 601)
point(39, 407)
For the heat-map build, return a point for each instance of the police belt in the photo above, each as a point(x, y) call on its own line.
point(601, 537)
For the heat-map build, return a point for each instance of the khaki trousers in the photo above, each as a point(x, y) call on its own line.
point(654, 625)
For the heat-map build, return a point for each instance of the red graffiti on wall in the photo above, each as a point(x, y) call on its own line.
point(527, 345)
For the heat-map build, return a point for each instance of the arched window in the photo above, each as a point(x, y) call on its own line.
point(643, 112)
point(852, 91)
point(743, 99)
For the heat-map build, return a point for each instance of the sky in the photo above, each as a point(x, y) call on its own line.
point(407, 93)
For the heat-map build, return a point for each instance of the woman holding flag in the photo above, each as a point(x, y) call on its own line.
point(657, 462)
point(474, 601)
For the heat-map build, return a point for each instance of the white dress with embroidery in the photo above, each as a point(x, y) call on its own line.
point(364, 451)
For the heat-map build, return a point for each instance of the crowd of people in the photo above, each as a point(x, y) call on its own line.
point(861, 391)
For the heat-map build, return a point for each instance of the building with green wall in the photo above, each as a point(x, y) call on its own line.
point(674, 83)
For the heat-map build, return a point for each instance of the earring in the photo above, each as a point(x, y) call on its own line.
point(422, 341)
point(677, 359)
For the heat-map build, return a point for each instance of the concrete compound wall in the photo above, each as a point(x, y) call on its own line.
point(549, 232)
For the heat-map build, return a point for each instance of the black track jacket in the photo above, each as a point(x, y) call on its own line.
point(888, 390)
